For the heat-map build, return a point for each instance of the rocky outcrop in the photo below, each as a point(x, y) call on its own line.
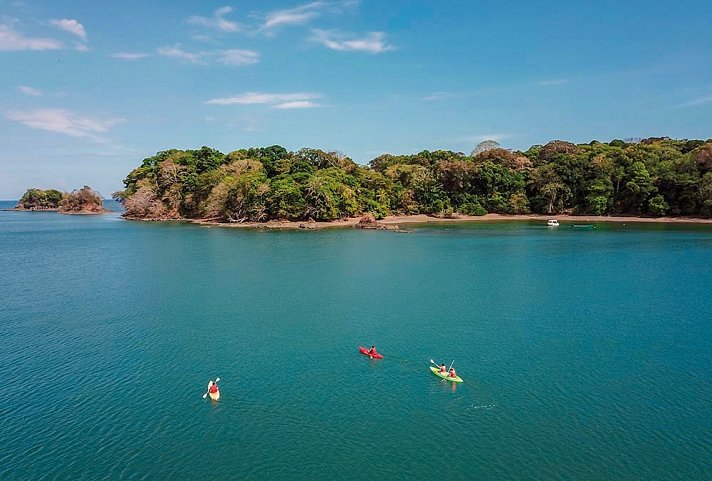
point(368, 221)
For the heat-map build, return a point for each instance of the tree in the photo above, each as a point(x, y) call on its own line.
point(638, 188)
point(659, 176)
point(85, 199)
point(658, 206)
point(549, 191)
point(484, 146)
point(285, 199)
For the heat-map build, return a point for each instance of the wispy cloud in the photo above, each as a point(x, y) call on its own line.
point(233, 57)
point(297, 104)
point(71, 26)
point(236, 57)
point(29, 90)
point(217, 21)
point(373, 42)
point(64, 122)
point(707, 99)
point(553, 82)
point(179, 53)
point(293, 16)
point(297, 100)
point(438, 96)
point(130, 55)
point(303, 13)
point(12, 40)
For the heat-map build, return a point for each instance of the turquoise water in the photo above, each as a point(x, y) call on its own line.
point(587, 355)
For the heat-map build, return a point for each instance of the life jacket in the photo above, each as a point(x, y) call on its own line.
point(443, 369)
point(213, 388)
point(372, 351)
point(453, 373)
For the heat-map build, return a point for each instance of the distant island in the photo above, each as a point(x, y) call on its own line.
point(650, 177)
point(79, 201)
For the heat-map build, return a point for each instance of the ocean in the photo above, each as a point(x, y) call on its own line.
point(586, 354)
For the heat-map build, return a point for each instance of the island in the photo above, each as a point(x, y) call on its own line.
point(652, 177)
point(80, 201)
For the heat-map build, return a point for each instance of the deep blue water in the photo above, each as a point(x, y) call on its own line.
point(587, 355)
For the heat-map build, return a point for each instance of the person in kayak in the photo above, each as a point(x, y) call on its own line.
point(213, 387)
point(372, 351)
point(443, 369)
point(452, 372)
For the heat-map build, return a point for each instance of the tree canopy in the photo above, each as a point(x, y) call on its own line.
point(41, 199)
point(84, 200)
point(656, 176)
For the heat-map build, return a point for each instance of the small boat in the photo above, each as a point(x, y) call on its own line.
point(365, 352)
point(444, 375)
point(553, 223)
point(213, 395)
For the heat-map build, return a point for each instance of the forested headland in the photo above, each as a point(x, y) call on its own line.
point(650, 177)
point(80, 201)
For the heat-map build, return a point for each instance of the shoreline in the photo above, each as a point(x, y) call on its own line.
point(422, 218)
point(393, 223)
point(57, 211)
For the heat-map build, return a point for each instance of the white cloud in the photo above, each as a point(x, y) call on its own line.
point(130, 55)
point(553, 82)
point(217, 21)
point(278, 100)
point(236, 57)
point(71, 26)
point(64, 122)
point(297, 104)
point(293, 16)
point(232, 57)
point(80, 47)
point(177, 52)
point(29, 90)
point(11, 40)
point(438, 96)
point(303, 13)
point(707, 99)
point(373, 42)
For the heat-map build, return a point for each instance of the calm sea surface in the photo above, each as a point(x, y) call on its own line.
point(587, 355)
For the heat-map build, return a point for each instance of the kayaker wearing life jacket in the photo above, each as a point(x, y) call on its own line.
point(212, 388)
point(452, 372)
point(443, 369)
point(372, 351)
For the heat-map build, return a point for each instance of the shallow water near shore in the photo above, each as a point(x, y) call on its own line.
point(586, 354)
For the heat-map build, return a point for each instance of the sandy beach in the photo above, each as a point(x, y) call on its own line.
point(578, 219)
point(395, 222)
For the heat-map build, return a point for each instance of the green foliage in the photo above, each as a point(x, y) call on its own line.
point(472, 206)
point(658, 206)
point(41, 199)
point(656, 176)
point(285, 199)
point(82, 200)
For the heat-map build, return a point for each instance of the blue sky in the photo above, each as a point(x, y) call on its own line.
point(90, 88)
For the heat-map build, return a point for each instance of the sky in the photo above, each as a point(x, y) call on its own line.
point(89, 88)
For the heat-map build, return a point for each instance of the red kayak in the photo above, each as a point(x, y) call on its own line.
point(364, 351)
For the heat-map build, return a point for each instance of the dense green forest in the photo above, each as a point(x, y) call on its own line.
point(39, 199)
point(653, 177)
point(84, 200)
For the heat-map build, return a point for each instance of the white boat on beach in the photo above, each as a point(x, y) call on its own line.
point(553, 223)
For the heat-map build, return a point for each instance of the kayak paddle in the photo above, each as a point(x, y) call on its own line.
point(214, 382)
